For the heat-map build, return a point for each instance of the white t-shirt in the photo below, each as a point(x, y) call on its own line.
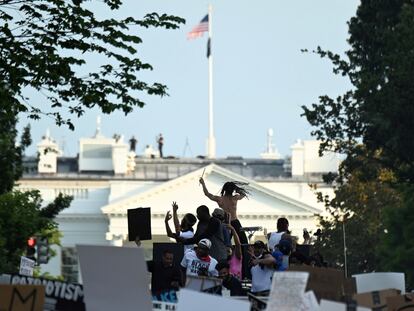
point(187, 235)
point(194, 264)
point(274, 240)
point(261, 278)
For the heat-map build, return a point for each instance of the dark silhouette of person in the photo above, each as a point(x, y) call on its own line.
point(160, 142)
point(132, 143)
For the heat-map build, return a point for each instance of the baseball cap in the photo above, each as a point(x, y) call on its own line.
point(219, 213)
point(205, 243)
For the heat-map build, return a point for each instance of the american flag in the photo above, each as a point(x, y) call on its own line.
point(198, 30)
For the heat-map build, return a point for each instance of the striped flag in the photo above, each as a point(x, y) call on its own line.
point(199, 30)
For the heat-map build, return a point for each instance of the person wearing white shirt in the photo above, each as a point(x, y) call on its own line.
point(274, 237)
point(198, 262)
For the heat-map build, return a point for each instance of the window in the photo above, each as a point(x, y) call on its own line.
point(70, 267)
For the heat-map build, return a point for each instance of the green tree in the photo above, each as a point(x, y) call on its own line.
point(22, 216)
point(371, 125)
point(44, 47)
point(397, 248)
point(357, 208)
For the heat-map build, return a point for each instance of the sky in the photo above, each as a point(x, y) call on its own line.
point(260, 77)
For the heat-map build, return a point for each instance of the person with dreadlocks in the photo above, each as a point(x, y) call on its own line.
point(231, 192)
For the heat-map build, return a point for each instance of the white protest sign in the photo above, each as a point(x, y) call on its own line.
point(201, 283)
point(369, 282)
point(190, 300)
point(309, 302)
point(26, 266)
point(327, 305)
point(287, 291)
point(114, 278)
point(164, 306)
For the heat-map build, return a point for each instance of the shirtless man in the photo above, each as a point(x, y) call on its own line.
point(228, 202)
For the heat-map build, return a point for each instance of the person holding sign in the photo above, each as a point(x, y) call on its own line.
point(231, 193)
point(198, 262)
point(165, 276)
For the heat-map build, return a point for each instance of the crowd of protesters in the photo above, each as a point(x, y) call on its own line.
point(214, 249)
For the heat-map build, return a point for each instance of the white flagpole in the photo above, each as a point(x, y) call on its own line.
point(211, 141)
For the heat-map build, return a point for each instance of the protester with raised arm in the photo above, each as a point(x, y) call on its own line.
point(212, 231)
point(184, 230)
point(230, 194)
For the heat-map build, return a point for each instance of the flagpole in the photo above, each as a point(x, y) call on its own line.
point(211, 141)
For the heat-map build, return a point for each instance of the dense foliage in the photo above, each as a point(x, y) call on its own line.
point(371, 125)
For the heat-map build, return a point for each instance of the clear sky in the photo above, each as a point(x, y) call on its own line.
point(261, 78)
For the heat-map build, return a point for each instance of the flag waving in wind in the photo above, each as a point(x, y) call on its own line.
point(199, 29)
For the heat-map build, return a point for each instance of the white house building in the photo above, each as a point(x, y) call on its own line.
point(106, 180)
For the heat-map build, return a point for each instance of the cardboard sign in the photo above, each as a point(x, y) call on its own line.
point(59, 295)
point(26, 266)
point(401, 303)
point(376, 300)
point(114, 278)
point(22, 297)
point(326, 283)
point(368, 282)
point(189, 300)
point(139, 224)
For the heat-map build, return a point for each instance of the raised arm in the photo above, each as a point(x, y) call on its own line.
point(208, 194)
point(237, 244)
point(167, 226)
point(175, 218)
point(267, 260)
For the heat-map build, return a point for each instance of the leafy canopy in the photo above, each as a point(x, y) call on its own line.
point(371, 125)
point(43, 46)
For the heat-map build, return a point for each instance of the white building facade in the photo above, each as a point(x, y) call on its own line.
point(105, 184)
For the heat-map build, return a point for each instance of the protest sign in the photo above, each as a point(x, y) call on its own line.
point(114, 277)
point(287, 290)
point(309, 302)
point(375, 299)
point(139, 223)
point(257, 303)
point(164, 306)
point(22, 297)
point(189, 300)
point(169, 296)
point(326, 283)
point(59, 296)
point(401, 302)
point(26, 266)
point(202, 283)
point(368, 282)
